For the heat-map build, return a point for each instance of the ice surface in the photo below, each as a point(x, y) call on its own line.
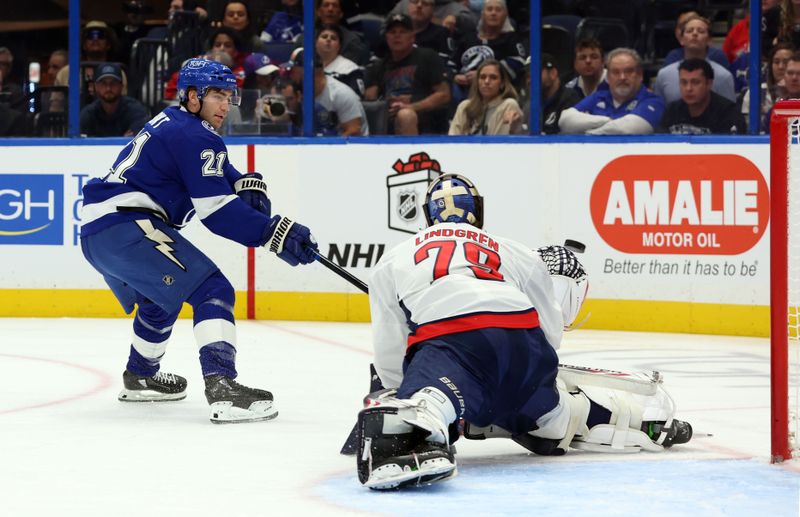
point(69, 448)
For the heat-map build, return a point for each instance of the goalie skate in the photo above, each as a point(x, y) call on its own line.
point(233, 403)
point(422, 467)
point(394, 450)
point(161, 387)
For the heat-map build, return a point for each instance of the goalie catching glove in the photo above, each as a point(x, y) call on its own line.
point(569, 280)
point(561, 261)
point(291, 241)
point(252, 189)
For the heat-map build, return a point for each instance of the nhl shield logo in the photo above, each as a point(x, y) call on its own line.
point(407, 206)
point(406, 190)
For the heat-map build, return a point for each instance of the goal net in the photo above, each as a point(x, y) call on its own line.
point(785, 278)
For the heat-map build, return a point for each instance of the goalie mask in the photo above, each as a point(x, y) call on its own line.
point(452, 198)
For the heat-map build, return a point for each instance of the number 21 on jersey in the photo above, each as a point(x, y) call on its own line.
point(482, 261)
point(117, 174)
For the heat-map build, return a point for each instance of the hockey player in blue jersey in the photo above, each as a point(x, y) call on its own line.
point(465, 326)
point(175, 168)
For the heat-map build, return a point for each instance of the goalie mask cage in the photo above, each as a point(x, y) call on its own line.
point(785, 278)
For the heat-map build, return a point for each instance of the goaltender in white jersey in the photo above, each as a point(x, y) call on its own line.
point(435, 276)
point(466, 326)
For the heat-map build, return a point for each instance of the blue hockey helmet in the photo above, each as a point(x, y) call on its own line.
point(203, 74)
point(452, 198)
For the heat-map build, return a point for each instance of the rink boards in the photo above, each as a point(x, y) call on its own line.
point(676, 232)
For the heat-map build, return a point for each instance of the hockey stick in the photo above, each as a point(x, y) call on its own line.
point(339, 270)
point(572, 245)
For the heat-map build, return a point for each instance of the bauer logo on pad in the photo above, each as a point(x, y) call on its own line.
point(32, 209)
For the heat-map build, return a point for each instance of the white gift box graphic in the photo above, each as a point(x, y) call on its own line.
point(406, 191)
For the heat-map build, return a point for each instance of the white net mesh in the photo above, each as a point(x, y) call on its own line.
point(794, 281)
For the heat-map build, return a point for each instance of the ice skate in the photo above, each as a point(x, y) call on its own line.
point(232, 402)
point(161, 387)
point(679, 432)
point(427, 463)
point(395, 450)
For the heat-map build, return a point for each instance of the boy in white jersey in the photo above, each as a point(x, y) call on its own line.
point(466, 325)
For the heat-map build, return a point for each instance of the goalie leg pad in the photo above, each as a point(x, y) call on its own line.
point(402, 443)
point(631, 413)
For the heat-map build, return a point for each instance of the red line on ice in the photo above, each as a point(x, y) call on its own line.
point(104, 380)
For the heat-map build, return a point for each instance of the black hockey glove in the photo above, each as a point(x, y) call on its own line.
point(252, 189)
point(291, 241)
point(561, 261)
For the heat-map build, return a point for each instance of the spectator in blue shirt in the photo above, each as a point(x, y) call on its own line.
point(695, 41)
point(625, 107)
point(285, 25)
point(679, 54)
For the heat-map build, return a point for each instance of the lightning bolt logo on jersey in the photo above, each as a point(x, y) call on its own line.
point(161, 239)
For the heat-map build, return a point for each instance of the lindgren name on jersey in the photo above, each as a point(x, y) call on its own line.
point(459, 233)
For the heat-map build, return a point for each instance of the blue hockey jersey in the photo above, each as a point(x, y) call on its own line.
point(175, 167)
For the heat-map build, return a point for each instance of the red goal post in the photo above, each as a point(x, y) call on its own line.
point(784, 277)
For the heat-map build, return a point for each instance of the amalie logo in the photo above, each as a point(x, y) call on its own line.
point(680, 204)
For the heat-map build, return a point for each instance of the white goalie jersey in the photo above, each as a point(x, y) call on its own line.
point(453, 278)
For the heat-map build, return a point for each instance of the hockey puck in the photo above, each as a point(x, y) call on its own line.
point(574, 246)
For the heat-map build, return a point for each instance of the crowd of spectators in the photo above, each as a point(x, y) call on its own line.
point(410, 67)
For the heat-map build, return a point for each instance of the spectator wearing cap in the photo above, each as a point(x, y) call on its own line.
point(427, 33)
point(454, 16)
point(337, 109)
point(353, 45)
point(285, 25)
point(588, 67)
point(412, 80)
point(293, 69)
point(430, 35)
point(626, 107)
point(260, 72)
point(328, 45)
point(112, 114)
point(556, 97)
point(98, 43)
point(700, 111)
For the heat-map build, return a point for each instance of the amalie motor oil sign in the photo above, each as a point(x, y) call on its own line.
point(680, 204)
